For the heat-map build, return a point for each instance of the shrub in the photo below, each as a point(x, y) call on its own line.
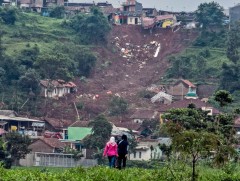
point(118, 106)
point(8, 15)
point(57, 12)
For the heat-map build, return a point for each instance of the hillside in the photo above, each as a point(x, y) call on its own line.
point(128, 74)
point(125, 66)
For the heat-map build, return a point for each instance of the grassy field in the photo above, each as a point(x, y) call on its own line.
point(228, 173)
point(218, 55)
point(32, 29)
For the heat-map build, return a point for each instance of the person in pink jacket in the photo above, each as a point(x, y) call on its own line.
point(111, 152)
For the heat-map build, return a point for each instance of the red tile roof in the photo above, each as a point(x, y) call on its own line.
point(57, 83)
point(58, 123)
point(186, 82)
point(53, 142)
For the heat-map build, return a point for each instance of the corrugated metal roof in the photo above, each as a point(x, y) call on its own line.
point(2, 117)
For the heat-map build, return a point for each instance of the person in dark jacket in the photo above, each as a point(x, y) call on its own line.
point(122, 152)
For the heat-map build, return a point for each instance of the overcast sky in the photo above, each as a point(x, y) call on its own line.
point(175, 5)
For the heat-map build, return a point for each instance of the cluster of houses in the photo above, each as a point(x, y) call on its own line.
point(53, 136)
point(130, 12)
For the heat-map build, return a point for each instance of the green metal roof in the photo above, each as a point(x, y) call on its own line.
point(76, 133)
point(191, 94)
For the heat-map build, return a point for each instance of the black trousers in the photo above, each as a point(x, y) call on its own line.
point(122, 161)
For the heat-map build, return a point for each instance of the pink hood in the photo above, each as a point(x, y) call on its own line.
point(110, 149)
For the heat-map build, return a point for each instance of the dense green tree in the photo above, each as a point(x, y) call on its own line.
point(85, 60)
point(29, 56)
point(101, 132)
point(201, 66)
point(212, 38)
point(196, 145)
point(118, 106)
point(195, 134)
point(17, 146)
point(92, 28)
point(166, 150)
point(83, 57)
point(57, 12)
point(8, 15)
point(223, 97)
point(30, 81)
point(230, 78)
point(132, 144)
point(11, 69)
point(1, 46)
point(55, 66)
point(188, 118)
point(234, 43)
point(5, 158)
point(180, 67)
point(209, 14)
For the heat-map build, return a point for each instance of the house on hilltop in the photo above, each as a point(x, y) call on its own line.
point(182, 89)
point(134, 18)
point(39, 5)
point(132, 6)
point(161, 21)
point(149, 12)
point(78, 7)
point(56, 88)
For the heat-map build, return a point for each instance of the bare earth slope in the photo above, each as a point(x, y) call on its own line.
point(126, 66)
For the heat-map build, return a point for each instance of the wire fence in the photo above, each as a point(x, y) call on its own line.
point(61, 160)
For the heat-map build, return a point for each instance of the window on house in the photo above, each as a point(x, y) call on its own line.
point(140, 154)
point(130, 20)
point(78, 147)
point(134, 155)
point(55, 91)
point(66, 135)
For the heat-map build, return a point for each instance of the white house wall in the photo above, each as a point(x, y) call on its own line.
point(57, 92)
point(141, 155)
point(131, 20)
point(146, 154)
